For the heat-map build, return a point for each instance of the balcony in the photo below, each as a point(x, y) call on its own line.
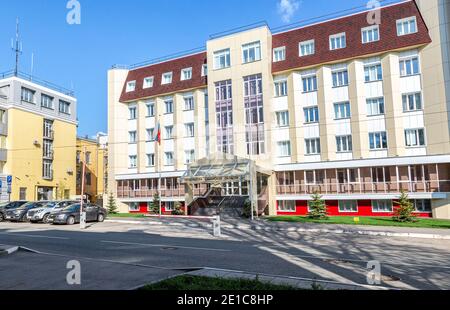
point(149, 193)
point(48, 175)
point(49, 155)
point(49, 135)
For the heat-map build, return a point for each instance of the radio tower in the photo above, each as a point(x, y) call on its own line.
point(17, 48)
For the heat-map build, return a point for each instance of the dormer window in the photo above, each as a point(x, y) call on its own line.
point(131, 86)
point(406, 26)
point(167, 78)
point(186, 74)
point(148, 82)
point(337, 41)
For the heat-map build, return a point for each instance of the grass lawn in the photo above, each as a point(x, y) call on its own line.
point(192, 283)
point(370, 221)
point(126, 215)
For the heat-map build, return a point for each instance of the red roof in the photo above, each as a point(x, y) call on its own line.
point(352, 26)
point(157, 70)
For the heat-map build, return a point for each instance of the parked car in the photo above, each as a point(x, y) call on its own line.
point(71, 214)
point(7, 206)
point(20, 214)
point(42, 214)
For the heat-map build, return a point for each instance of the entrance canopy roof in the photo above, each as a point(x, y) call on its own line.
point(218, 168)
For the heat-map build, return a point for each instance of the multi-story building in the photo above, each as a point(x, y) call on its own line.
point(93, 153)
point(355, 111)
point(38, 134)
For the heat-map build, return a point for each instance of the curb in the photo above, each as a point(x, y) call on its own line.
point(299, 230)
point(8, 249)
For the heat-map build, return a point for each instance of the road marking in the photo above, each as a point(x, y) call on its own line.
point(166, 246)
point(34, 236)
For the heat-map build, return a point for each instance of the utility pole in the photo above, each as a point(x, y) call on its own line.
point(17, 48)
point(83, 172)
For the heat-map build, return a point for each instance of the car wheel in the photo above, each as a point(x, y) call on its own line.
point(101, 218)
point(45, 219)
point(70, 220)
point(2, 217)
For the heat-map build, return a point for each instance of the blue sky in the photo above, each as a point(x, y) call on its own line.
point(127, 32)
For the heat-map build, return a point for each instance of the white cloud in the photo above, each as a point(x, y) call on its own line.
point(287, 9)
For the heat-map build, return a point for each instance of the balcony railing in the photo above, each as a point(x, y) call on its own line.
point(149, 193)
point(365, 188)
point(49, 135)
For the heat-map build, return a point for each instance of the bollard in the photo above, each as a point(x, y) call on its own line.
point(216, 226)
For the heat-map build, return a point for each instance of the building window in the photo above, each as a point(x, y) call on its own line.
point(340, 78)
point(378, 140)
point(190, 130)
point(131, 86)
point(286, 206)
point(167, 78)
point(312, 146)
point(409, 66)
point(423, 205)
point(306, 48)
point(373, 73)
point(169, 106)
point(27, 95)
point(46, 101)
point(48, 129)
point(415, 137)
point(279, 54)
point(370, 34)
point(189, 103)
point(375, 106)
point(78, 157)
point(189, 156)
point(311, 115)
point(133, 207)
point(348, 206)
point(88, 158)
point(337, 41)
point(150, 134)
point(204, 70)
point(133, 161)
point(48, 149)
point(251, 52)
point(150, 109)
point(222, 59)
point(344, 144)
point(64, 107)
point(412, 102)
point(23, 193)
point(284, 148)
point(169, 132)
point(281, 88)
point(186, 74)
point(254, 115)
point(224, 117)
point(148, 82)
point(150, 160)
point(169, 159)
point(379, 206)
point(342, 110)
point(283, 119)
point(133, 113)
point(88, 179)
point(47, 169)
point(406, 26)
point(132, 136)
point(309, 84)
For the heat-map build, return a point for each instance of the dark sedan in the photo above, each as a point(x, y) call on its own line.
point(20, 214)
point(71, 214)
point(7, 206)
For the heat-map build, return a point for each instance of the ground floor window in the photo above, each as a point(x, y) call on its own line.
point(286, 206)
point(170, 206)
point(133, 207)
point(348, 206)
point(423, 205)
point(23, 193)
point(382, 206)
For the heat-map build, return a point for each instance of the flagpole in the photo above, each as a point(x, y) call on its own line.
point(158, 143)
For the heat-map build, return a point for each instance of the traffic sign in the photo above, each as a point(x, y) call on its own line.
point(9, 179)
point(1, 184)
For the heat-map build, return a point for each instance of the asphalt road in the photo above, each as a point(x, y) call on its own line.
point(123, 256)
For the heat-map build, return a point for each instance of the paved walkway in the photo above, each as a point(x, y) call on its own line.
point(264, 225)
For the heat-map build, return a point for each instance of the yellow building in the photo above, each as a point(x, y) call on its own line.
point(94, 154)
point(38, 135)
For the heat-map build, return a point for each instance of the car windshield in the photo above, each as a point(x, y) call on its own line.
point(49, 205)
point(4, 204)
point(65, 204)
point(31, 205)
point(72, 208)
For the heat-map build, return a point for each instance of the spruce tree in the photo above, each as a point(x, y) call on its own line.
point(317, 207)
point(155, 204)
point(112, 207)
point(405, 211)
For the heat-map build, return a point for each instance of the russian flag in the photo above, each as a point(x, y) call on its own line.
point(158, 134)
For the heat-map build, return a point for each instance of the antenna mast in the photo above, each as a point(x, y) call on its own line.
point(17, 48)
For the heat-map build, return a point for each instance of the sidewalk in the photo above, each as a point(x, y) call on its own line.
point(264, 225)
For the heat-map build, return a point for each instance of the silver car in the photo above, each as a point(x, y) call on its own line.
point(41, 214)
